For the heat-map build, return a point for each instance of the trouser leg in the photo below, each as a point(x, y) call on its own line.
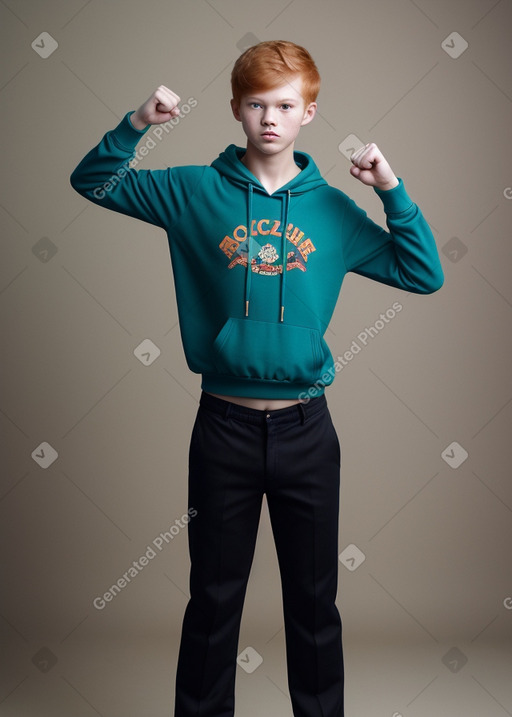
point(225, 488)
point(303, 500)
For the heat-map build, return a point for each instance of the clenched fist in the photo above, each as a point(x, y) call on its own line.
point(370, 167)
point(159, 108)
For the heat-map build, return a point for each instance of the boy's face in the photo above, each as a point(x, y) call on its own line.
point(271, 120)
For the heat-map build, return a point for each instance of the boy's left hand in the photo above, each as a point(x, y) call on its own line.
point(371, 167)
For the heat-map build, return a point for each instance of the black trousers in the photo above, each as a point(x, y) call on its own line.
point(293, 456)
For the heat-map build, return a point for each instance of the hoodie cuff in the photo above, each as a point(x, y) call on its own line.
point(126, 134)
point(395, 200)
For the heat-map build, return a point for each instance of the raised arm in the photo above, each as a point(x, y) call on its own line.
point(406, 256)
point(104, 175)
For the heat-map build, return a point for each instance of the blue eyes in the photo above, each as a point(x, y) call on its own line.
point(256, 105)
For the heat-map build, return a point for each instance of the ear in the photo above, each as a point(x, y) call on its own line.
point(235, 108)
point(309, 113)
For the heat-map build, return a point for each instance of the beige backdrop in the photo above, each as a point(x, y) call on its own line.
point(95, 434)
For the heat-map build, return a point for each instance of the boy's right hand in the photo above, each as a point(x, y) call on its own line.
point(159, 108)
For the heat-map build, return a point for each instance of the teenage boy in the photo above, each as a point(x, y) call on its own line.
point(259, 246)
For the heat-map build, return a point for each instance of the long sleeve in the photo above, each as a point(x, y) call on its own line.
point(404, 257)
point(155, 196)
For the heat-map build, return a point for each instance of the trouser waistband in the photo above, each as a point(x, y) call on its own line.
point(297, 412)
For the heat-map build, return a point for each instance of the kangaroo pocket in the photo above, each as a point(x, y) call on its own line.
point(262, 350)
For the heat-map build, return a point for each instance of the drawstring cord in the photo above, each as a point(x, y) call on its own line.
point(284, 220)
point(285, 205)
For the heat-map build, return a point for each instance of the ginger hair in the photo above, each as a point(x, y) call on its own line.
point(269, 64)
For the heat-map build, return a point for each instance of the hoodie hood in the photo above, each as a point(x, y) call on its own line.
point(229, 164)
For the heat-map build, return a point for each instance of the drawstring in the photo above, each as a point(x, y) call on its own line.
point(249, 247)
point(284, 223)
point(284, 220)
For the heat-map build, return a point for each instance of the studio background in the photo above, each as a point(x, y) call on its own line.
point(94, 434)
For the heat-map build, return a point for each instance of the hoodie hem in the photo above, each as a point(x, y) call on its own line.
point(259, 388)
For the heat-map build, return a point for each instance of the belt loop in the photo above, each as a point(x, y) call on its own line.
point(302, 411)
point(227, 409)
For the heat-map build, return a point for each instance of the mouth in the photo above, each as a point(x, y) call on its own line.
point(269, 134)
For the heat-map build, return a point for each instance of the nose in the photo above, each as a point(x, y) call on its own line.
point(268, 118)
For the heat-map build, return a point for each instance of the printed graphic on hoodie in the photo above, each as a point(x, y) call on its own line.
point(236, 247)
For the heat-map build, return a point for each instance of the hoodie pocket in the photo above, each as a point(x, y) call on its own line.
point(274, 352)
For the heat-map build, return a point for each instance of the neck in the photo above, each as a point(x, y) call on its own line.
point(272, 170)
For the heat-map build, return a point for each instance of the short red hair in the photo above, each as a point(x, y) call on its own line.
point(268, 64)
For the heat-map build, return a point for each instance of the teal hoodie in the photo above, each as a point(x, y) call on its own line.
point(257, 275)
